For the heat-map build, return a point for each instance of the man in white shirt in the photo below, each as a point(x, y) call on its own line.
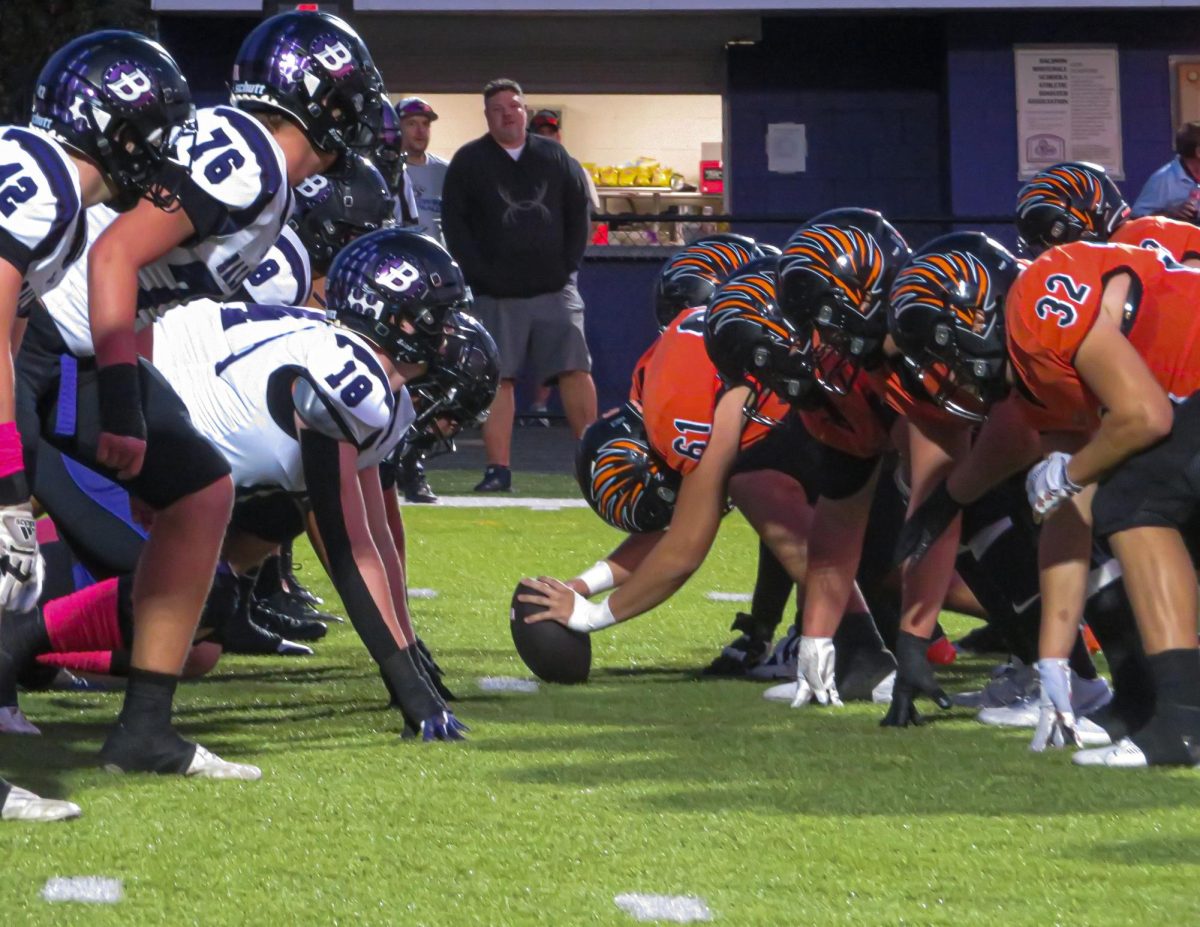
point(426, 172)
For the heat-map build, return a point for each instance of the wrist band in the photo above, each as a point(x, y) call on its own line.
point(590, 616)
point(121, 401)
point(598, 577)
point(14, 489)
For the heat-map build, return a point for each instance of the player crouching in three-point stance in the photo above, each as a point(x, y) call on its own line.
point(104, 107)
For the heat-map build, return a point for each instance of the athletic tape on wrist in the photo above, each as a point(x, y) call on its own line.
point(598, 577)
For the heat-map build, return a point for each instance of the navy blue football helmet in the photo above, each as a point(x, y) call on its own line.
point(752, 343)
point(334, 209)
point(459, 386)
point(620, 476)
point(690, 275)
point(114, 98)
point(396, 288)
point(388, 153)
point(314, 69)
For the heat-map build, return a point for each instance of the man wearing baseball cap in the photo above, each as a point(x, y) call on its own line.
point(426, 171)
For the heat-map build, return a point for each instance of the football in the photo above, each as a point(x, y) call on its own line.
point(553, 652)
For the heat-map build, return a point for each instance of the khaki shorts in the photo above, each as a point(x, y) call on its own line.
point(545, 332)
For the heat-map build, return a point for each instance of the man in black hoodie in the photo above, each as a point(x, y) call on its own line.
point(515, 217)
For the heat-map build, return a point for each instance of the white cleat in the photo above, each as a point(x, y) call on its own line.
point(784, 692)
point(1009, 682)
point(13, 721)
point(1023, 712)
point(23, 805)
point(1124, 754)
point(1091, 734)
point(207, 765)
point(882, 693)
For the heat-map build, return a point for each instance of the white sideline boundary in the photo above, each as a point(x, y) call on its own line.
point(495, 502)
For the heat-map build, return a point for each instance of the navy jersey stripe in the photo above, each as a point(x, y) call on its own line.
point(66, 200)
point(289, 250)
point(264, 150)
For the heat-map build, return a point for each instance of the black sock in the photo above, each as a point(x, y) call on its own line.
point(148, 699)
point(23, 636)
point(1110, 616)
point(1080, 660)
point(772, 589)
point(1177, 676)
point(8, 681)
point(270, 578)
point(5, 788)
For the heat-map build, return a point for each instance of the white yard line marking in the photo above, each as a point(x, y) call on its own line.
point(502, 502)
point(86, 889)
point(422, 593)
point(728, 596)
point(677, 909)
point(507, 684)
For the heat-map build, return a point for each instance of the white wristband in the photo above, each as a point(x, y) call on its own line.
point(598, 577)
point(590, 616)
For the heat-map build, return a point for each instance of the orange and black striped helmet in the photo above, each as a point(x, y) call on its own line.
point(946, 310)
point(1072, 201)
point(620, 476)
point(690, 276)
point(751, 342)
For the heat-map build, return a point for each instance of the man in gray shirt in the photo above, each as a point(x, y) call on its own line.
point(426, 172)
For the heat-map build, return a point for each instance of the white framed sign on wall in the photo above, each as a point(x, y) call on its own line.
point(1068, 107)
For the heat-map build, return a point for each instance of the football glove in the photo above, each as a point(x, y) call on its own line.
point(914, 676)
point(1056, 717)
point(1048, 486)
point(21, 567)
point(928, 523)
point(814, 673)
point(443, 726)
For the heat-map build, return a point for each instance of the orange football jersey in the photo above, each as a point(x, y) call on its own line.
point(1055, 302)
point(679, 389)
point(1181, 240)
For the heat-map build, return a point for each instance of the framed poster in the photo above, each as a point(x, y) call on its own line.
point(1068, 107)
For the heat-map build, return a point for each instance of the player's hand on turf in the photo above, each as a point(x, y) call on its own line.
point(914, 677)
point(443, 726)
point(814, 673)
point(1048, 486)
point(555, 596)
point(1056, 717)
point(21, 566)
point(928, 523)
point(123, 453)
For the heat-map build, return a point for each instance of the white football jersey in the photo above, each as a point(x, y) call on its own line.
point(283, 277)
point(41, 209)
point(232, 158)
point(244, 371)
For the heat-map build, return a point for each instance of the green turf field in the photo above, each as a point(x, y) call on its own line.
point(644, 780)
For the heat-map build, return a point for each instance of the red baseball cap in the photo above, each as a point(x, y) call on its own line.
point(542, 118)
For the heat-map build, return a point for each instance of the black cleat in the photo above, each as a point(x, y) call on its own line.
point(285, 624)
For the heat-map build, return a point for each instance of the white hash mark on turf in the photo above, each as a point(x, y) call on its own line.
point(88, 889)
point(509, 502)
point(507, 684)
point(422, 593)
point(678, 909)
point(728, 596)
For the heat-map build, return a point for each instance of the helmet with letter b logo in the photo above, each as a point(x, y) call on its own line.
point(396, 288)
point(314, 69)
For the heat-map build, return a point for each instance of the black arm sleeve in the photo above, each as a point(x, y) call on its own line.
point(206, 213)
point(322, 473)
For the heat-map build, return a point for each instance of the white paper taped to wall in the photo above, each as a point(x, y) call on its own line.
point(787, 148)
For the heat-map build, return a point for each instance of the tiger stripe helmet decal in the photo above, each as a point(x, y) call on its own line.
point(1072, 201)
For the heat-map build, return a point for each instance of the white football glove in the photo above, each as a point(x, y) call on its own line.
point(814, 673)
point(1048, 486)
point(1056, 717)
point(21, 566)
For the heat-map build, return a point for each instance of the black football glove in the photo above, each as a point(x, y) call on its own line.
point(914, 676)
point(928, 523)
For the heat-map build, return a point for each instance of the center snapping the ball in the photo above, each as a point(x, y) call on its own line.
point(552, 651)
